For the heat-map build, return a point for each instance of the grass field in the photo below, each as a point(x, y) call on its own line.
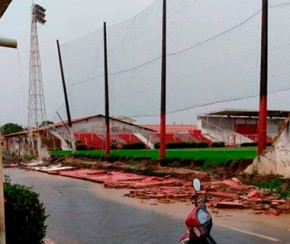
point(239, 153)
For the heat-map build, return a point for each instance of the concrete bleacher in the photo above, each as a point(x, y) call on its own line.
point(186, 137)
point(90, 140)
point(98, 141)
point(197, 134)
point(93, 140)
point(236, 127)
point(248, 130)
point(129, 138)
point(221, 134)
point(170, 137)
point(190, 136)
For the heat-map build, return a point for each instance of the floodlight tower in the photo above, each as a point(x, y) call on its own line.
point(36, 104)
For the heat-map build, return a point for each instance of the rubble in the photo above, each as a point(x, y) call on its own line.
point(235, 204)
point(229, 193)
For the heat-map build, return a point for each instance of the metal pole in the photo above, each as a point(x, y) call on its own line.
point(63, 122)
point(64, 86)
point(2, 211)
point(66, 99)
point(11, 43)
point(7, 42)
point(107, 112)
point(262, 134)
point(162, 151)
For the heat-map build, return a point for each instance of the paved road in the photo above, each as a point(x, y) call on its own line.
point(83, 213)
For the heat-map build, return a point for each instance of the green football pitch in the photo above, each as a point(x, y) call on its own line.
point(238, 153)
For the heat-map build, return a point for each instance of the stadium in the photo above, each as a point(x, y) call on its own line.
point(120, 72)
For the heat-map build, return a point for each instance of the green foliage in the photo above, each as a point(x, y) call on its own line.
point(269, 185)
point(275, 186)
point(137, 145)
point(28, 157)
point(114, 147)
point(45, 123)
point(284, 194)
point(253, 144)
point(10, 128)
point(112, 158)
point(133, 162)
point(80, 147)
point(175, 145)
point(24, 215)
point(157, 145)
point(249, 144)
point(210, 164)
point(218, 144)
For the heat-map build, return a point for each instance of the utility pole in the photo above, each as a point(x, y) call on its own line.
point(107, 112)
point(262, 133)
point(36, 104)
point(163, 87)
point(66, 99)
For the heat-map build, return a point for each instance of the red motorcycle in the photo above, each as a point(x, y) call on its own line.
point(198, 222)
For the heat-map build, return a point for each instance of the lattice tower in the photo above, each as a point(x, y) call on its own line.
point(36, 105)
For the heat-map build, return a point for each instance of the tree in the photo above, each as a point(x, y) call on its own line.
point(10, 128)
point(47, 122)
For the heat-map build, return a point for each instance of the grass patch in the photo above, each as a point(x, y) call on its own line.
point(275, 186)
point(210, 164)
point(134, 162)
point(208, 154)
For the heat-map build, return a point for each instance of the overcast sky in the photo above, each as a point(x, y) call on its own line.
point(189, 25)
point(66, 20)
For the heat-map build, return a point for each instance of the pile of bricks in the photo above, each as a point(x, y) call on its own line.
point(236, 195)
point(221, 194)
point(224, 194)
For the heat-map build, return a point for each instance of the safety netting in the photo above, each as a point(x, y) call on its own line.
point(213, 56)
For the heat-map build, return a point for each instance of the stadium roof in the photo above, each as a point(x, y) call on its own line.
point(96, 116)
point(3, 6)
point(171, 128)
point(249, 113)
point(65, 123)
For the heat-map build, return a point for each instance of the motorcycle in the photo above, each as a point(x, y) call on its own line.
point(198, 222)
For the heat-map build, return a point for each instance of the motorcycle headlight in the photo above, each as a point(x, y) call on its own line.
point(203, 216)
point(196, 231)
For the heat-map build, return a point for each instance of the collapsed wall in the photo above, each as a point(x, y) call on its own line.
point(275, 160)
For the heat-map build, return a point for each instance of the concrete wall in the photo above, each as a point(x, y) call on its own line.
point(97, 125)
point(19, 146)
point(277, 159)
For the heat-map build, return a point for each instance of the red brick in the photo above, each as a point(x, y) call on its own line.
point(230, 205)
point(223, 194)
point(254, 194)
point(272, 212)
point(237, 186)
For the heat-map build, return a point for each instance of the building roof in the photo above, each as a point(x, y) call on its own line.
point(125, 121)
point(65, 123)
point(249, 113)
point(172, 128)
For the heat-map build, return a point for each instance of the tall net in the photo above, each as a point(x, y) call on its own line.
point(213, 57)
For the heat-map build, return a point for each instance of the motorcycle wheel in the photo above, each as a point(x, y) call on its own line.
point(210, 240)
point(203, 240)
